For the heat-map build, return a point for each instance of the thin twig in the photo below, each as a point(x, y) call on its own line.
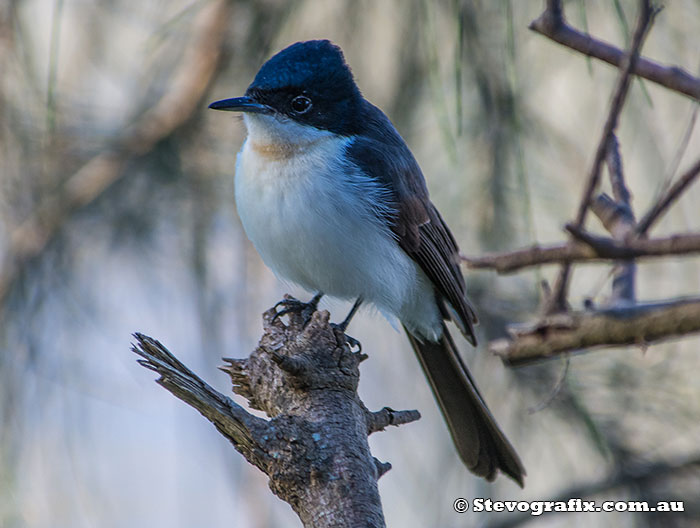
point(645, 18)
point(555, 391)
point(671, 195)
point(617, 180)
point(621, 226)
point(680, 151)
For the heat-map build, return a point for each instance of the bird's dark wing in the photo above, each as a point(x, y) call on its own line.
point(381, 153)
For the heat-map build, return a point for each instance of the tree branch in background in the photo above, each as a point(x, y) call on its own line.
point(623, 323)
point(314, 448)
point(668, 198)
point(185, 90)
point(557, 301)
point(618, 218)
point(639, 324)
point(553, 25)
point(595, 249)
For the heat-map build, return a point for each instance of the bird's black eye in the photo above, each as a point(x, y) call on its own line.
point(301, 104)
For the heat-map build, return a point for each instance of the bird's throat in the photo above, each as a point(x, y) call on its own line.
point(278, 150)
point(275, 138)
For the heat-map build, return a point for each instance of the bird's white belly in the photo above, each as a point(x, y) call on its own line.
point(316, 225)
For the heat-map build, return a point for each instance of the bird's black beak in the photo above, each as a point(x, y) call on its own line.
point(241, 104)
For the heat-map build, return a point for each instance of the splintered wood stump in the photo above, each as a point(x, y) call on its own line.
point(314, 447)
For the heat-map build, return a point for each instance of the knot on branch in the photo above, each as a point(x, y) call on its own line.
point(380, 420)
point(382, 467)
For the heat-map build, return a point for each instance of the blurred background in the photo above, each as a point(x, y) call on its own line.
point(117, 215)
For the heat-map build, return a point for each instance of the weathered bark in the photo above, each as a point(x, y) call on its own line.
point(587, 248)
point(314, 448)
point(639, 324)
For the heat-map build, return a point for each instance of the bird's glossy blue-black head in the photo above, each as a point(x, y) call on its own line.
point(308, 82)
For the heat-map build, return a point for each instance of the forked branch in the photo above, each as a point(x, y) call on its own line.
point(314, 446)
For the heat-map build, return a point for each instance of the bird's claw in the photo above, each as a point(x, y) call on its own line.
point(351, 341)
point(291, 305)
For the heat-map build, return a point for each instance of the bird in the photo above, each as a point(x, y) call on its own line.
point(333, 200)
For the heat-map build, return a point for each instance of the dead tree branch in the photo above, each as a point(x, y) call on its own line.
point(314, 446)
point(639, 324)
point(596, 249)
point(668, 198)
point(618, 218)
point(553, 25)
point(623, 322)
point(557, 301)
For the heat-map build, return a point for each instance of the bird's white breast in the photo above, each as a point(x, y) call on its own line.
point(316, 220)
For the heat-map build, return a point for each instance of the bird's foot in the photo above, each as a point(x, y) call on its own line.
point(291, 305)
point(351, 341)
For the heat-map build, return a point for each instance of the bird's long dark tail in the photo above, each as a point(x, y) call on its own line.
point(479, 441)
